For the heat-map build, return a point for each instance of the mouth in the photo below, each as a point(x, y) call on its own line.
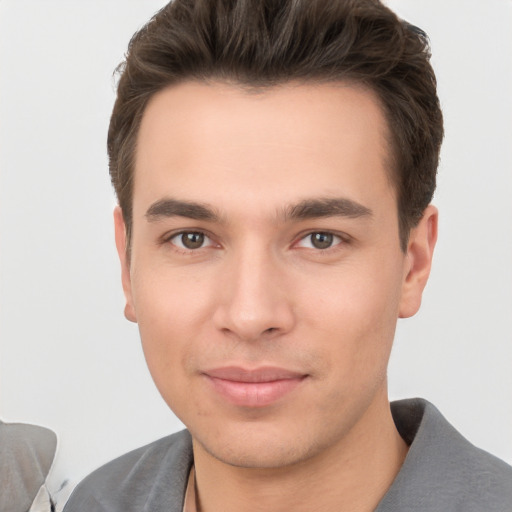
point(255, 388)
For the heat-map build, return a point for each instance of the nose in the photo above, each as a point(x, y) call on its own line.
point(254, 303)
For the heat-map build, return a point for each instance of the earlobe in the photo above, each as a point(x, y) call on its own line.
point(420, 250)
point(120, 236)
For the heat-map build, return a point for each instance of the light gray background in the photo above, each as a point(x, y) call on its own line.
point(68, 358)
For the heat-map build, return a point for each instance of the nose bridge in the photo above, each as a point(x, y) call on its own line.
point(254, 302)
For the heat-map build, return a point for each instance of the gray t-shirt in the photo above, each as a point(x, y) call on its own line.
point(442, 472)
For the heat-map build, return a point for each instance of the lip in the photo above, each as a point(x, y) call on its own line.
point(259, 387)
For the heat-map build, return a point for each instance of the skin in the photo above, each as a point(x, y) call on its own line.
point(259, 293)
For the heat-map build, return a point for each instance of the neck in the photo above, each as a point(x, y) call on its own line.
point(352, 475)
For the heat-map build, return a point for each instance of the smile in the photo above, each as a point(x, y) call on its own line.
point(253, 388)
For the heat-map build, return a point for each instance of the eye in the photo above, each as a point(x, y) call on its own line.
point(320, 240)
point(191, 240)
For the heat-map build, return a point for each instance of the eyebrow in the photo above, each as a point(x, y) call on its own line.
point(326, 207)
point(176, 208)
point(306, 209)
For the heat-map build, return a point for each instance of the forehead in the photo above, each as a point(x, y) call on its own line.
point(271, 146)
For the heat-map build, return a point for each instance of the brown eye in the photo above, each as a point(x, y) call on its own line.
point(321, 240)
point(190, 240)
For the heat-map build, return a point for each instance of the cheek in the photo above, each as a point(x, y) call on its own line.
point(172, 315)
point(356, 314)
point(170, 302)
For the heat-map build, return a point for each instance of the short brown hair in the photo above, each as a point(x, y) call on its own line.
point(261, 43)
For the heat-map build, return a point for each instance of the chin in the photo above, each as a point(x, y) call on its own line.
point(250, 457)
point(247, 448)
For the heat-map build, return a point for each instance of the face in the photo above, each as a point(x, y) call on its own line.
point(266, 273)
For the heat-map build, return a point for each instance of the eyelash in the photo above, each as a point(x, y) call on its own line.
point(338, 239)
point(179, 235)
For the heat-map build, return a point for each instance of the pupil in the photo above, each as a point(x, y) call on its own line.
point(321, 240)
point(192, 240)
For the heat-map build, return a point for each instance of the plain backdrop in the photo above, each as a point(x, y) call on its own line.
point(68, 358)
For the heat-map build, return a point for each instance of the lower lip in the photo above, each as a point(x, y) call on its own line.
point(254, 394)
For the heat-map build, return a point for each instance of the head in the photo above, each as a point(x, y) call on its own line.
point(274, 162)
point(259, 44)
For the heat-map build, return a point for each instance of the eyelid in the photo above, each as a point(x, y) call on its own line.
point(343, 238)
point(170, 236)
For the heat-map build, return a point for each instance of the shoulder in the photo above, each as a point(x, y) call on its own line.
point(37, 441)
point(24, 446)
point(153, 477)
point(443, 470)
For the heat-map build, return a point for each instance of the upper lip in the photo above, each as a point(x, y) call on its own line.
point(261, 374)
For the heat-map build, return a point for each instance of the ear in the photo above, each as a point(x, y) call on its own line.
point(420, 250)
point(120, 235)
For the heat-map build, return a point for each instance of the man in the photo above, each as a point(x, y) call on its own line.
point(274, 164)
